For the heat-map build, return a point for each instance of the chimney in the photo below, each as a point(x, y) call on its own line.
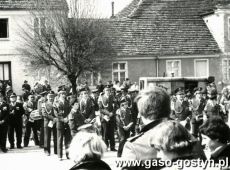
point(112, 16)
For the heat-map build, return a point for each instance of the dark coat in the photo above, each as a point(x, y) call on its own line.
point(61, 112)
point(106, 106)
point(4, 114)
point(221, 154)
point(181, 110)
point(16, 113)
point(87, 108)
point(91, 165)
point(76, 119)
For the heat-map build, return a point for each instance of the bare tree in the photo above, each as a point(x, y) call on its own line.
point(71, 45)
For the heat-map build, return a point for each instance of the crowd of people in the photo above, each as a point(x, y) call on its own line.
point(148, 124)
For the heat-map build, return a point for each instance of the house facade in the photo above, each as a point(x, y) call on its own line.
point(14, 17)
point(180, 38)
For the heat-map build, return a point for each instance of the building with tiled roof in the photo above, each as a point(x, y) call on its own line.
point(182, 38)
point(15, 15)
point(32, 4)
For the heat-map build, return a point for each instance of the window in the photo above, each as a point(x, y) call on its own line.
point(226, 69)
point(4, 28)
point(5, 72)
point(173, 68)
point(201, 68)
point(39, 26)
point(120, 71)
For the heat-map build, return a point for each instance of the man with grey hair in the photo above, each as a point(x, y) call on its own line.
point(154, 107)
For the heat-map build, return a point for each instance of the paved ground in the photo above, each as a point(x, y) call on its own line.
point(33, 158)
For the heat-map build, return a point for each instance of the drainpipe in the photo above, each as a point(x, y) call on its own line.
point(157, 66)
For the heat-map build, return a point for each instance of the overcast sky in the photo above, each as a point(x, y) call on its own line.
point(103, 8)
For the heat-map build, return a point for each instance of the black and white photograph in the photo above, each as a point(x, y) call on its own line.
point(115, 84)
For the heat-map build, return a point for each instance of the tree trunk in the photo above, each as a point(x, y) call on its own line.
point(73, 80)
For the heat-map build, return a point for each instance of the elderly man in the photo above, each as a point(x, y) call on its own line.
point(154, 107)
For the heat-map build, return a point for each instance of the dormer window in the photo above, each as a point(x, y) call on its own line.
point(4, 28)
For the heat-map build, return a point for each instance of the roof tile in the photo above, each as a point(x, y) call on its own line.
point(165, 27)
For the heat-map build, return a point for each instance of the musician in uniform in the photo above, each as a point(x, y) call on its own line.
point(212, 108)
point(134, 110)
point(87, 106)
point(181, 109)
point(29, 107)
point(126, 96)
point(49, 124)
point(197, 107)
point(62, 110)
point(41, 99)
point(124, 123)
point(94, 97)
point(15, 121)
point(76, 119)
point(106, 107)
point(225, 103)
point(4, 114)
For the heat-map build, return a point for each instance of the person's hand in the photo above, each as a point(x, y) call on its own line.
point(110, 114)
point(87, 120)
point(65, 120)
point(130, 124)
point(125, 128)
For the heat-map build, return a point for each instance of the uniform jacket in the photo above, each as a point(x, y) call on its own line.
point(198, 106)
point(91, 165)
point(48, 113)
point(106, 105)
point(87, 108)
point(29, 107)
point(128, 99)
point(212, 109)
point(4, 113)
point(61, 112)
point(181, 110)
point(16, 111)
point(123, 117)
point(95, 102)
point(76, 119)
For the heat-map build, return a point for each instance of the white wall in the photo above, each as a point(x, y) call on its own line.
point(215, 23)
point(8, 47)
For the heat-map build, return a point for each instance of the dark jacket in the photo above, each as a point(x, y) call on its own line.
point(61, 112)
point(48, 113)
point(221, 154)
point(16, 113)
point(87, 108)
point(4, 114)
point(91, 165)
point(106, 106)
point(76, 119)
